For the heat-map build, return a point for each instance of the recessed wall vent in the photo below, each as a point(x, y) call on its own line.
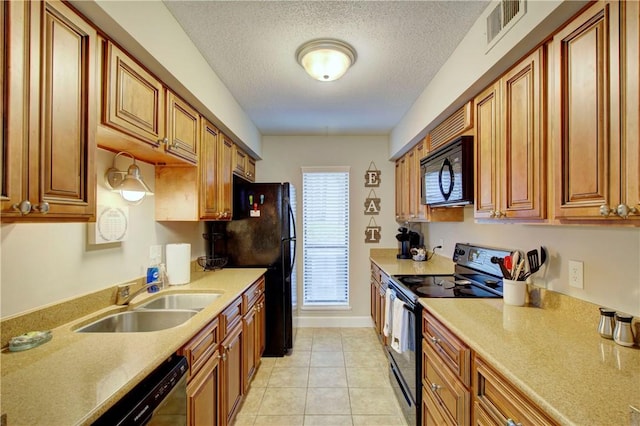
point(502, 18)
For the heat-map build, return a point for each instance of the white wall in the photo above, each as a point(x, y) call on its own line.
point(611, 255)
point(46, 263)
point(285, 155)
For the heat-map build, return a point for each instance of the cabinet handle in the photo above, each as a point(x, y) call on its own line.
point(24, 207)
point(511, 422)
point(624, 211)
point(43, 208)
point(435, 387)
point(606, 211)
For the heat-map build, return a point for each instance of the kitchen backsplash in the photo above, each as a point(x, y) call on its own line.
point(611, 255)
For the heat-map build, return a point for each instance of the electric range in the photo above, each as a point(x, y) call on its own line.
point(475, 276)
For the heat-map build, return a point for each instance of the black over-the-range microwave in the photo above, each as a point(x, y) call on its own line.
point(447, 174)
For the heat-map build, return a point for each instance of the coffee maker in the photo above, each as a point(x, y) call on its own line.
point(406, 240)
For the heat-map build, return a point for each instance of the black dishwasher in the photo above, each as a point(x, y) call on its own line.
point(160, 398)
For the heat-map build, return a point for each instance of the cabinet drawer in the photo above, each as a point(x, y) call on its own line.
point(431, 414)
point(501, 402)
point(453, 353)
point(231, 316)
point(252, 294)
point(375, 272)
point(201, 347)
point(449, 394)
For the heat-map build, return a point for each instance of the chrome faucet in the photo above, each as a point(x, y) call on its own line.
point(123, 297)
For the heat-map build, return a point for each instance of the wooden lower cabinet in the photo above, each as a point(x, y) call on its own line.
point(261, 321)
point(232, 389)
point(203, 403)
point(500, 403)
point(449, 396)
point(249, 330)
point(431, 416)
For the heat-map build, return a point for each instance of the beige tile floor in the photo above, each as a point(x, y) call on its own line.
point(334, 376)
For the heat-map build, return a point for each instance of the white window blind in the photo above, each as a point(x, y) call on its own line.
point(325, 215)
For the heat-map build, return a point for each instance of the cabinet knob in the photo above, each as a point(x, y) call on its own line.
point(43, 208)
point(24, 207)
point(434, 340)
point(606, 211)
point(492, 213)
point(435, 387)
point(163, 141)
point(624, 211)
point(511, 422)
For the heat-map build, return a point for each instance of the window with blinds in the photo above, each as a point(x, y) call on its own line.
point(325, 227)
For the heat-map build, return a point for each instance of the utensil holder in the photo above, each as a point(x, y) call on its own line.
point(514, 292)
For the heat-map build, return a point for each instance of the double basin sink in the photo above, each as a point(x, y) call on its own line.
point(160, 313)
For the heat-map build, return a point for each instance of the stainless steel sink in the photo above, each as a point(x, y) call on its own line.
point(193, 301)
point(138, 321)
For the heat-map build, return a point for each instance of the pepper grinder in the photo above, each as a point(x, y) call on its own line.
point(607, 323)
point(622, 333)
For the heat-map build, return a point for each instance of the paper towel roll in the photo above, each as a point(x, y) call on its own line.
point(179, 263)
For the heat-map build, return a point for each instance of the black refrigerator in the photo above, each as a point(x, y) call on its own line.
point(263, 234)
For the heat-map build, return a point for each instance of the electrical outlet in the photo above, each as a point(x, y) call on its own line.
point(576, 274)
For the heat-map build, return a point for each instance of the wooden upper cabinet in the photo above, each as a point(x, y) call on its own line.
point(523, 155)
point(630, 91)
point(586, 131)
point(510, 150)
point(133, 98)
point(243, 165)
point(225, 177)
point(50, 139)
point(186, 193)
point(183, 129)
point(487, 170)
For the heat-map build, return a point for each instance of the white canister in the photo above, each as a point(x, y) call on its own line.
point(514, 292)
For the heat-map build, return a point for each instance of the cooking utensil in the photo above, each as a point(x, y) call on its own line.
point(534, 261)
point(515, 262)
point(516, 274)
point(508, 263)
point(500, 262)
point(543, 255)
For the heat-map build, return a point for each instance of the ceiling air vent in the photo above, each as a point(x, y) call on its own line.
point(502, 18)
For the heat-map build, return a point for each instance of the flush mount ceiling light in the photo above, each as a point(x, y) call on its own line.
point(130, 184)
point(326, 59)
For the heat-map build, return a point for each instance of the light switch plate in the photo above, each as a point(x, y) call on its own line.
point(576, 274)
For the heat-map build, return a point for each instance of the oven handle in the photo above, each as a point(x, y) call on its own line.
point(400, 384)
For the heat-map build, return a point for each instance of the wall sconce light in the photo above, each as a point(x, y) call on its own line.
point(130, 184)
point(326, 59)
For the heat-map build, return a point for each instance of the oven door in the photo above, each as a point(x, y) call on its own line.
point(405, 367)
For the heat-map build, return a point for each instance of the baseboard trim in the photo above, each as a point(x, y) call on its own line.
point(331, 322)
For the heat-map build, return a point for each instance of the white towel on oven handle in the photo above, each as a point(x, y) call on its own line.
point(389, 296)
point(400, 327)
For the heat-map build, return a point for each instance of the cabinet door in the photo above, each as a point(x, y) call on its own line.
point(63, 112)
point(225, 177)
point(208, 166)
point(13, 137)
point(239, 161)
point(251, 169)
point(203, 407)
point(486, 152)
point(134, 99)
point(249, 342)
point(233, 387)
point(399, 190)
point(586, 135)
point(630, 92)
point(523, 189)
point(261, 321)
point(183, 129)
point(413, 192)
point(402, 189)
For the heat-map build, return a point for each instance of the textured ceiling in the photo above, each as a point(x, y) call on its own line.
point(400, 45)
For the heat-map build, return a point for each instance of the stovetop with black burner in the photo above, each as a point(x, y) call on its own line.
point(474, 277)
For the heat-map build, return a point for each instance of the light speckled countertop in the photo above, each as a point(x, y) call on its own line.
point(553, 353)
point(77, 376)
point(387, 261)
